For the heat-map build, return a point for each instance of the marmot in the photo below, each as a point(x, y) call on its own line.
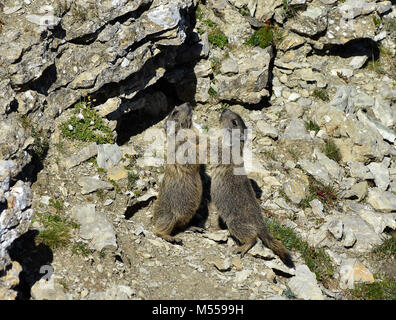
point(233, 196)
point(181, 188)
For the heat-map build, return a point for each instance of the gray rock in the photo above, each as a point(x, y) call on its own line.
point(94, 227)
point(380, 200)
point(91, 184)
point(109, 155)
point(47, 290)
point(304, 284)
point(218, 236)
point(349, 238)
point(381, 175)
point(358, 61)
point(359, 170)
point(295, 190)
point(331, 166)
point(351, 9)
point(296, 131)
point(358, 190)
point(309, 23)
point(385, 132)
point(336, 227)
point(259, 251)
point(250, 84)
point(315, 169)
point(383, 111)
point(276, 264)
point(221, 264)
point(267, 129)
point(384, 6)
point(317, 208)
point(343, 99)
point(81, 156)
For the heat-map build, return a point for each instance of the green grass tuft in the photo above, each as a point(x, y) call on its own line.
point(331, 150)
point(316, 259)
point(312, 126)
point(56, 231)
point(86, 125)
point(262, 38)
point(321, 94)
point(218, 38)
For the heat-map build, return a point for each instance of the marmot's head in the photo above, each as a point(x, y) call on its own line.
point(179, 118)
point(232, 121)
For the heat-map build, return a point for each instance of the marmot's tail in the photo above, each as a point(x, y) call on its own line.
point(277, 247)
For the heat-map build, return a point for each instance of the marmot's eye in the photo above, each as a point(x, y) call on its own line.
point(234, 123)
point(175, 112)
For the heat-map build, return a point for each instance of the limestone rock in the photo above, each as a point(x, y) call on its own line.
point(94, 227)
point(304, 284)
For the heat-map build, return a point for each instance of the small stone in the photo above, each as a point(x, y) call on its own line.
point(380, 200)
point(241, 276)
point(109, 155)
point(336, 227)
point(81, 156)
point(352, 273)
point(358, 62)
point(317, 208)
point(259, 251)
point(218, 236)
point(349, 238)
point(296, 130)
point(221, 264)
point(266, 129)
point(47, 290)
point(91, 184)
point(381, 175)
point(117, 173)
point(304, 284)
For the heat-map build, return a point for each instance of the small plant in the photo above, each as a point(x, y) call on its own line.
point(56, 231)
point(41, 143)
point(375, 65)
point(269, 154)
point(316, 259)
point(326, 194)
point(377, 21)
point(212, 92)
point(86, 125)
point(81, 248)
point(381, 289)
point(209, 23)
point(218, 38)
point(331, 150)
point(262, 37)
point(132, 178)
point(198, 13)
point(57, 204)
point(387, 249)
point(312, 126)
point(321, 94)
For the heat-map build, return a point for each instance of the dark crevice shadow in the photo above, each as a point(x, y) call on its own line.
point(42, 83)
point(355, 47)
point(131, 210)
point(135, 121)
point(202, 214)
point(32, 257)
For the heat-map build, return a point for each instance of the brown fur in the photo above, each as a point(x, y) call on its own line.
point(181, 188)
point(234, 199)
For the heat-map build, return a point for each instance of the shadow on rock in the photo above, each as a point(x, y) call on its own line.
point(35, 260)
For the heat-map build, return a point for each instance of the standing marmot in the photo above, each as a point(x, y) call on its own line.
point(234, 198)
point(181, 188)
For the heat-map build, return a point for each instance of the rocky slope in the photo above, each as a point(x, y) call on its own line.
point(315, 83)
